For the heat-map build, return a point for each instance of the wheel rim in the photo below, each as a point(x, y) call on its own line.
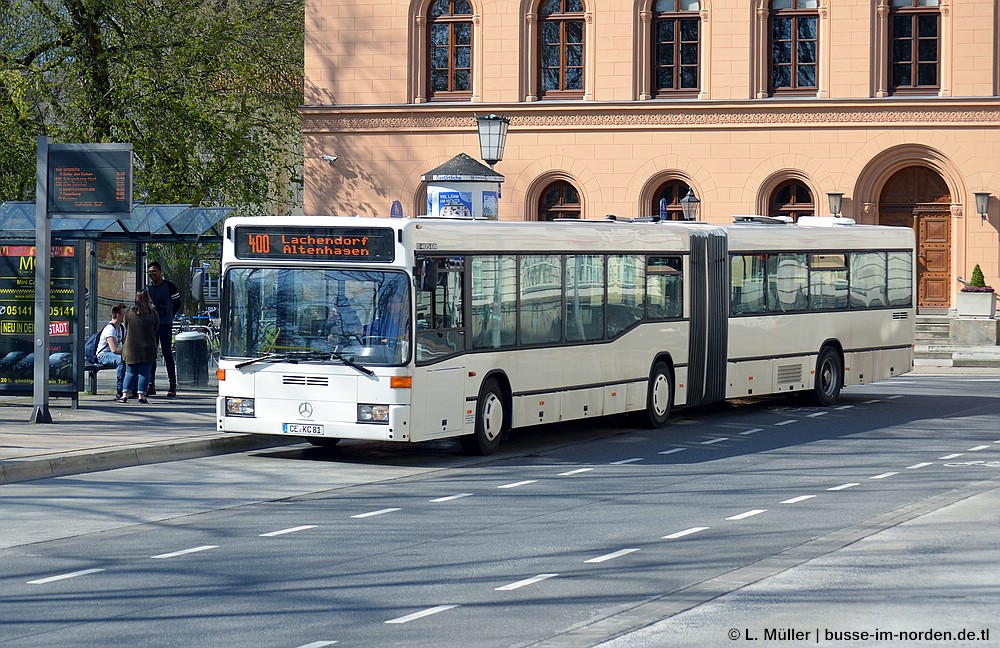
point(492, 416)
point(661, 395)
point(828, 377)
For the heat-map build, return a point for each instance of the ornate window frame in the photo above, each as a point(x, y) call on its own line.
point(419, 54)
point(760, 78)
point(531, 57)
point(882, 58)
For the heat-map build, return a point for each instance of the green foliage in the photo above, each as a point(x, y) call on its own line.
point(977, 277)
point(207, 91)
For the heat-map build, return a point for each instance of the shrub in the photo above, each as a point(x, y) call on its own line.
point(977, 283)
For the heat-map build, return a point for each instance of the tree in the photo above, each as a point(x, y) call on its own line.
point(207, 91)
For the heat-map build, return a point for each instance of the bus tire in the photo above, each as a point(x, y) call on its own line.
point(659, 396)
point(491, 421)
point(326, 442)
point(829, 377)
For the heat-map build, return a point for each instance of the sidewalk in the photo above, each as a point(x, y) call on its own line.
point(103, 434)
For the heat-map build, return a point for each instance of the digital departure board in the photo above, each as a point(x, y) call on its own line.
point(360, 244)
point(90, 179)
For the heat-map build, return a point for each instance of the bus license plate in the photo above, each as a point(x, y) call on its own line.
point(297, 428)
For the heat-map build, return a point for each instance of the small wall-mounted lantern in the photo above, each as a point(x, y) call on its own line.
point(983, 204)
point(492, 137)
point(836, 199)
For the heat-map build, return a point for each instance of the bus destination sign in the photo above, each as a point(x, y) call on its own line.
point(361, 244)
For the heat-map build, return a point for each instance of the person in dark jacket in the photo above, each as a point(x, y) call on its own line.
point(167, 301)
point(142, 323)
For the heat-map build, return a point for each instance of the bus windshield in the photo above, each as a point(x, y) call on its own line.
point(311, 314)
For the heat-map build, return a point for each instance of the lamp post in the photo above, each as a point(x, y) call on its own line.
point(836, 199)
point(492, 137)
point(983, 204)
point(689, 205)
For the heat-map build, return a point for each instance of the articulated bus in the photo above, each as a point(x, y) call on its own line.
point(411, 330)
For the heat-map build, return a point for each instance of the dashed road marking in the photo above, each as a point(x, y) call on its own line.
point(184, 552)
point(685, 532)
point(272, 534)
point(524, 583)
point(977, 448)
point(743, 516)
point(52, 579)
point(844, 486)
point(374, 513)
point(520, 483)
point(884, 475)
point(575, 472)
point(611, 556)
point(796, 500)
point(952, 455)
point(751, 431)
point(421, 614)
point(788, 422)
point(672, 451)
point(920, 465)
point(815, 414)
point(715, 440)
point(448, 498)
point(626, 461)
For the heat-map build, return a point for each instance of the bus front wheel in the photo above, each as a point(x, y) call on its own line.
point(660, 395)
point(490, 422)
point(829, 378)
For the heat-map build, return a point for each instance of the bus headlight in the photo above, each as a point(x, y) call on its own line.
point(373, 413)
point(239, 406)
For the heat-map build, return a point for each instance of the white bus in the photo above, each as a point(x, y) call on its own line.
point(411, 330)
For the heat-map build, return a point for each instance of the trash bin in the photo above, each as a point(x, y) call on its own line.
point(191, 359)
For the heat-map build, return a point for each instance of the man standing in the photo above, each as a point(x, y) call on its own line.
point(167, 301)
point(109, 346)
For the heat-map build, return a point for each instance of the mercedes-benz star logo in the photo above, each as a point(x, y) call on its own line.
point(305, 410)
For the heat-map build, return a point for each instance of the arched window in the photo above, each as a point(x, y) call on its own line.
point(915, 46)
point(791, 198)
point(559, 200)
point(561, 49)
point(671, 192)
point(449, 39)
point(676, 41)
point(794, 29)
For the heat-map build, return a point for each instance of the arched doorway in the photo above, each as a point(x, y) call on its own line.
point(918, 197)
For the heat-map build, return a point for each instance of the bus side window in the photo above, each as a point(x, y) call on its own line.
point(664, 287)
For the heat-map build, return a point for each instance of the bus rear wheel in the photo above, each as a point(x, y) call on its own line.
point(660, 396)
point(829, 378)
point(490, 421)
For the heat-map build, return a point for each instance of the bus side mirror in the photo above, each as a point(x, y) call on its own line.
point(428, 275)
point(197, 284)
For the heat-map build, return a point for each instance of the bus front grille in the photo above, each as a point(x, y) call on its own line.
point(311, 381)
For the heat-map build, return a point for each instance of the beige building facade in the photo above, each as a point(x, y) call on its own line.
point(621, 106)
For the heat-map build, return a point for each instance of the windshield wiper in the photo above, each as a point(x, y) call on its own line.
point(305, 355)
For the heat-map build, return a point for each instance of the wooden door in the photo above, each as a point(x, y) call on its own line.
point(933, 260)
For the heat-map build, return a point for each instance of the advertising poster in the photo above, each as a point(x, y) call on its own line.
point(491, 204)
point(455, 204)
point(17, 317)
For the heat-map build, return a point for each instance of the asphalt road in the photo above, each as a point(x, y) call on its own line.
point(572, 535)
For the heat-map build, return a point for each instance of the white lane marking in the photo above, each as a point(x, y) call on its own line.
point(717, 440)
point(524, 583)
point(184, 552)
point(815, 414)
point(291, 530)
point(873, 401)
point(616, 554)
point(895, 397)
point(743, 516)
point(318, 644)
point(672, 451)
point(421, 614)
point(952, 455)
point(685, 532)
point(520, 483)
point(52, 579)
point(977, 448)
point(575, 472)
point(626, 461)
point(920, 465)
point(796, 500)
point(374, 513)
point(448, 498)
point(884, 475)
point(751, 431)
point(843, 407)
point(844, 486)
point(788, 422)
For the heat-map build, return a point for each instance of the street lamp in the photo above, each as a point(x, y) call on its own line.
point(836, 199)
point(983, 204)
point(492, 137)
point(689, 205)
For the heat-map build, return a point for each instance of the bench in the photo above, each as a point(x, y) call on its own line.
point(91, 371)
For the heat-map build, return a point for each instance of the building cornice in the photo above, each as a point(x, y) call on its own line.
point(937, 112)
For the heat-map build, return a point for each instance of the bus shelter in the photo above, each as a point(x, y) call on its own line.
point(74, 252)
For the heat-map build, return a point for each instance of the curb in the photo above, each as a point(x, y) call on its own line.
point(140, 455)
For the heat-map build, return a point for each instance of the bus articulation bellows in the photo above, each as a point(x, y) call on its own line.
point(412, 330)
